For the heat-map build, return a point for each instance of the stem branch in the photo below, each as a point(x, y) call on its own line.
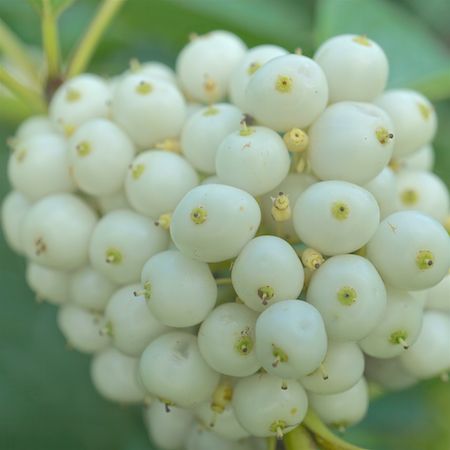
point(15, 50)
point(50, 40)
point(30, 97)
point(89, 42)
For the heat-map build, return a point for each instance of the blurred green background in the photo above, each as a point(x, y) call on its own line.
point(47, 401)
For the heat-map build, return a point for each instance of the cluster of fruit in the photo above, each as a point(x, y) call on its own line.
point(137, 202)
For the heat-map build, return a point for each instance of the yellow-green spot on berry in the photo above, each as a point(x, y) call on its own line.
point(147, 290)
point(340, 210)
point(211, 111)
point(383, 136)
point(284, 84)
point(279, 354)
point(278, 427)
point(244, 345)
point(72, 95)
point(199, 215)
point(362, 40)
point(83, 148)
point(20, 154)
point(253, 67)
point(69, 129)
point(409, 197)
point(347, 295)
point(144, 88)
point(266, 293)
point(107, 330)
point(399, 337)
point(113, 256)
point(137, 170)
point(424, 259)
point(425, 110)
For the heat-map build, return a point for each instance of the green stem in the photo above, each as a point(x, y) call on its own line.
point(12, 110)
point(299, 439)
point(271, 443)
point(50, 40)
point(30, 97)
point(323, 436)
point(89, 42)
point(15, 50)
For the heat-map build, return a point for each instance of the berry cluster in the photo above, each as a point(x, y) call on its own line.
point(137, 201)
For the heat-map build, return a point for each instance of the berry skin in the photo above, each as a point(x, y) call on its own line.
point(213, 222)
point(254, 159)
point(172, 369)
point(100, 153)
point(56, 231)
point(413, 117)
point(39, 166)
point(356, 67)
point(205, 64)
point(121, 243)
point(287, 92)
point(351, 141)
point(410, 250)
point(82, 98)
point(148, 109)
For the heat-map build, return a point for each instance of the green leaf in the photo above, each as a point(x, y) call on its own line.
point(57, 6)
point(417, 58)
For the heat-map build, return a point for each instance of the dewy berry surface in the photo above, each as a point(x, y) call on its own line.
point(242, 245)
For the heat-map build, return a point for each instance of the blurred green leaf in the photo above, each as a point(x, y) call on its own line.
point(57, 6)
point(417, 58)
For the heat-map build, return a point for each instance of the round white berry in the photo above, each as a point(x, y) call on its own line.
point(148, 109)
point(355, 66)
point(226, 340)
point(203, 132)
point(248, 65)
point(389, 373)
point(290, 339)
point(341, 369)
point(33, 126)
point(350, 141)
point(56, 231)
point(82, 329)
point(384, 188)
point(180, 291)
point(429, 356)
point(422, 159)
point(90, 289)
point(157, 180)
point(115, 376)
point(168, 428)
point(100, 153)
point(213, 222)
point(39, 166)
point(156, 69)
point(413, 117)
point(410, 250)
point(48, 284)
point(350, 296)
point(266, 405)
point(344, 409)
point(200, 438)
point(205, 64)
point(438, 296)
point(335, 217)
point(121, 243)
point(130, 323)
point(287, 92)
point(83, 97)
point(266, 271)
point(14, 207)
point(398, 328)
point(254, 159)
point(423, 191)
point(173, 370)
